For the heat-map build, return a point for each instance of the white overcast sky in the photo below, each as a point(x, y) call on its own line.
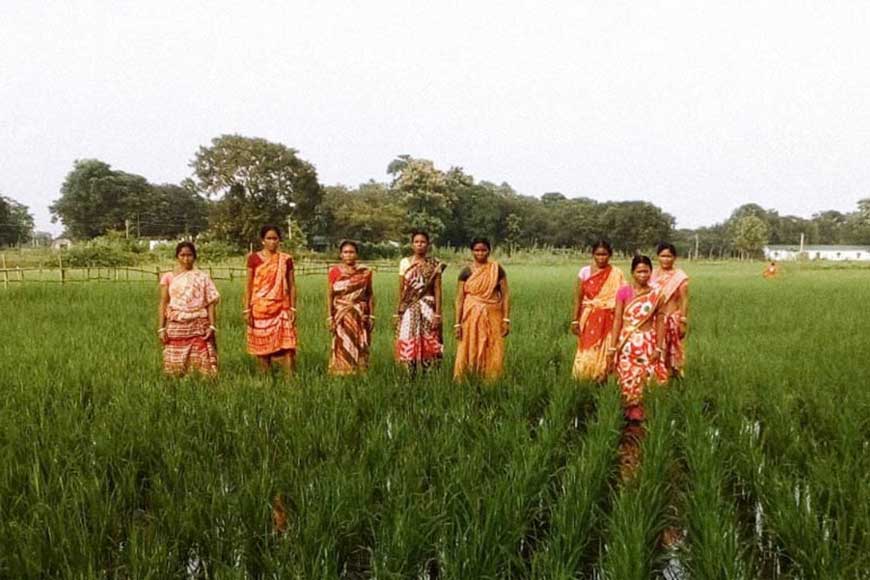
point(697, 107)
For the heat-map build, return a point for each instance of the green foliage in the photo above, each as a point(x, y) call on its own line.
point(16, 222)
point(256, 182)
point(750, 234)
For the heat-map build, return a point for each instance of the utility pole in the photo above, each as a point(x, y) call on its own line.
point(697, 245)
point(127, 229)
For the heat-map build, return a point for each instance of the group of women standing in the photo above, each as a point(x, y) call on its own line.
point(633, 328)
point(186, 317)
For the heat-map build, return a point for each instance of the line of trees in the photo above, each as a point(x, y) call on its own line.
point(16, 223)
point(238, 183)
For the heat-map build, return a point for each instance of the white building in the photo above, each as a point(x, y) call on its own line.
point(835, 253)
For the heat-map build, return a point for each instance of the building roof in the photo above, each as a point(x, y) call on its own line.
point(797, 248)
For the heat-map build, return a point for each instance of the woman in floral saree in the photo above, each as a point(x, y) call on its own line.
point(270, 304)
point(673, 284)
point(482, 316)
point(351, 305)
point(638, 338)
point(419, 343)
point(594, 306)
point(186, 321)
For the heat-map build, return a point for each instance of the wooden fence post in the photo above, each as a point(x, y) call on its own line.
point(60, 264)
point(5, 273)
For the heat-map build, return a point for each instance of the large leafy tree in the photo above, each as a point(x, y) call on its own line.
point(750, 235)
point(175, 211)
point(16, 223)
point(367, 214)
point(255, 182)
point(96, 199)
point(426, 193)
point(633, 226)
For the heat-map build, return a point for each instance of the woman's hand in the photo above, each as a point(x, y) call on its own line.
point(436, 321)
point(575, 327)
point(330, 324)
point(656, 355)
point(457, 331)
point(291, 316)
point(209, 333)
point(505, 327)
point(161, 335)
point(370, 323)
point(397, 322)
point(683, 327)
point(249, 318)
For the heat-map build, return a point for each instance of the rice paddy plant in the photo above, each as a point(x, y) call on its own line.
point(109, 470)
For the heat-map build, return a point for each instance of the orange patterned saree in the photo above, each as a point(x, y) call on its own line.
point(272, 331)
point(596, 323)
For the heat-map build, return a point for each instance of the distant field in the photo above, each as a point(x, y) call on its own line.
point(762, 454)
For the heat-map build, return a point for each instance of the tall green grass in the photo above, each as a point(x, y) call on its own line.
point(107, 469)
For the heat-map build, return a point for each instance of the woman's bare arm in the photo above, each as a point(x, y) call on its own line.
point(460, 300)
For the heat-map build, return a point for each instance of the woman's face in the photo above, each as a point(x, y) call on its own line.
point(641, 274)
point(348, 255)
point(186, 258)
point(480, 252)
point(601, 257)
point(666, 259)
point(271, 241)
point(420, 245)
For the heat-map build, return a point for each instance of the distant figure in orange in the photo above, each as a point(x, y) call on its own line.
point(772, 271)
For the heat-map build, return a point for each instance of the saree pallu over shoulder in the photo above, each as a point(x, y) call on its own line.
point(675, 352)
point(481, 350)
point(635, 368)
point(186, 348)
point(419, 340)
point(351, 341)
point(272, 331)
point(596, 323)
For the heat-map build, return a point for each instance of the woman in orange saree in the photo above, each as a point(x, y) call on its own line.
point(270, 304)
point(673, 284)
point(482, 316)
point(419, 343)
point(594, 305)
point(186, 320)
point(638, 338)
point(351, 304)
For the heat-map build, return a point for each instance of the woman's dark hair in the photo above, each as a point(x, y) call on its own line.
point(483, 241)
point(270, 228)
point(348, 243)
point(666, 246)
point(424, 233)
point(188, 245)
point(638, 260)
point(603, 244)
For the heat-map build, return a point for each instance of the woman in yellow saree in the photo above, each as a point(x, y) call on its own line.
point(270, 304)
point(594, 306)
point(482, 316)
point(186, 320)
point(673, 284)
point(351, 305)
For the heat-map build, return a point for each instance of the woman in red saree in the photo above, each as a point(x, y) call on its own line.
point(351, 305)
point(270, 304)
point(482, 316)
point(673, 284)
point(186, 321)
point(594, 306)
point(638, 338)
point(419, 343)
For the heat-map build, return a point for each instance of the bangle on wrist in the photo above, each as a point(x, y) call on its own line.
point(508, 320)
point(159, 330)
point(211, 327)
point(457, 325)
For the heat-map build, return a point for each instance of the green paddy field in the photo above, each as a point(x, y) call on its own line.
point(761, 455)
